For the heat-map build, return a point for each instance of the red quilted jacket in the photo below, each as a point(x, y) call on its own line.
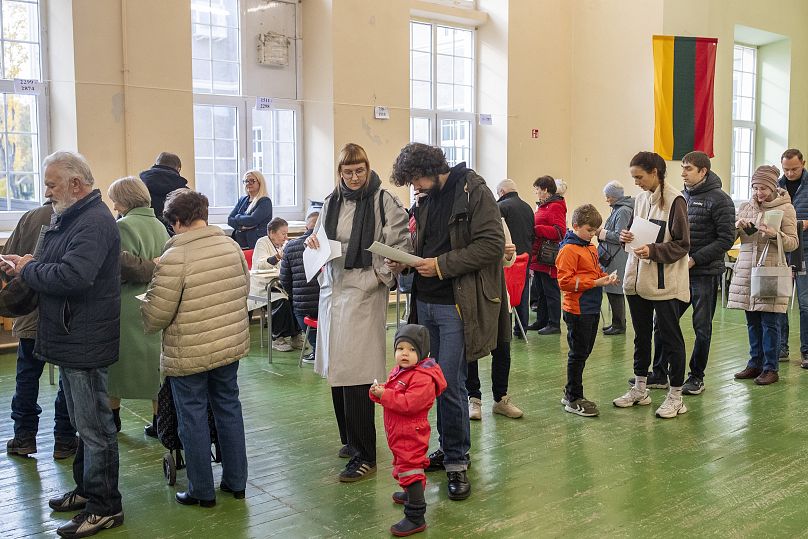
point(552, 212)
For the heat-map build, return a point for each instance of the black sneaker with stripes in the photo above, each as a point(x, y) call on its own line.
point(357, 469)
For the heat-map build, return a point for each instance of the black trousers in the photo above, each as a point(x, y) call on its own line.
point(548, 296)
point(617, 303)
point(283, 319)
point(500, 372)
point(356, 419)
point(582, 329)
point(667, 314)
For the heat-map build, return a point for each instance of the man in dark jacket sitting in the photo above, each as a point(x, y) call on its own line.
point(77, 276)
point(304, 295)
point(161, 179)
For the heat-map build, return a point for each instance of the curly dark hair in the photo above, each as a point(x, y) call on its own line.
point(417, 160)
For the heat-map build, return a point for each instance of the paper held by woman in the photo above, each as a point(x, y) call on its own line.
point(773, 218)
point(396, 255)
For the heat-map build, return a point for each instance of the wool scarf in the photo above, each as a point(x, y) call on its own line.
point(364, 220)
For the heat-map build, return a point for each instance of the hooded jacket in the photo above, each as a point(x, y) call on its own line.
point(711, 214)
point(578, 267)
point(550, 224)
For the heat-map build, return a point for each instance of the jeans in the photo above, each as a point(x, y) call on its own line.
point(95, 468)
point(191, 396)
point(549, 299)
point(24, 408)
point(669, 335)
point(500, 372)
point(782, 325)
point(763, 339)
point(446, 333)
point(582, 329)
point(523, 309)
point(312, 332)
point(802, 298)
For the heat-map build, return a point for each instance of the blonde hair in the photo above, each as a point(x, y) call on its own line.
point(262, 187)
point(129, 192)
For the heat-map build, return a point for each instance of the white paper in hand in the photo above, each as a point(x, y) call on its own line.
point(396, 255)
point(315, 259)
point(644, 231)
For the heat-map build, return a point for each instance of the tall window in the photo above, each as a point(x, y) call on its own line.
point(23, 128)
point(744, 122)
point(442, 89)
point(230, 135)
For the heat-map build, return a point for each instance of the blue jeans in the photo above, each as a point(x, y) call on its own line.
point(312, 332)
point(24, 408)
point(448, 345)
point(802, 298)
point(782, 325)
point(703, 297)
point(95, 468)
point(191, 396)
point(763, 340)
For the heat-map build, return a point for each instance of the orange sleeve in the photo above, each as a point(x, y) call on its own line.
point(567, 264)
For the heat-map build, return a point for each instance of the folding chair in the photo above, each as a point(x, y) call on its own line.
point(515, 276)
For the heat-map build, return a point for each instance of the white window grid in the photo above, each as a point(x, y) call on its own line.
point(216, 50)
point(744, 119)
point(442, 88)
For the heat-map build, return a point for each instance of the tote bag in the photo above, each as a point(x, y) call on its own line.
point(773, 281)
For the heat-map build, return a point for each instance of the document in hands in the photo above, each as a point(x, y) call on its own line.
point(8, 261)
point(396, 255)
point(644, 231)
point(315, 259)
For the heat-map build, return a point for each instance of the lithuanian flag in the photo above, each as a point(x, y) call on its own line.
point(684, 73)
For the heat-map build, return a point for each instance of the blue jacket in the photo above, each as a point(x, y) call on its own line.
point(257, 220)
point(800, 200)
point(305, 295)
point(78, 277)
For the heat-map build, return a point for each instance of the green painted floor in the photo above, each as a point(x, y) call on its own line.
point(734, 466)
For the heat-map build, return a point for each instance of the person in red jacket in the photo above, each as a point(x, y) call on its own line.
point(407, 397)
point(550, 225)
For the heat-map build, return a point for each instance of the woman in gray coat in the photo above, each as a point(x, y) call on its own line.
point(354, 291)
point(612, 255)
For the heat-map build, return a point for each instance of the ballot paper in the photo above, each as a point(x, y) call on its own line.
point(644, 231)
point(315, 259)
point(9, 262)
point(773, 218)
point(141, 297)
point(396, 255)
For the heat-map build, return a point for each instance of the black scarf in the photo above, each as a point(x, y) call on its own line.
point(364, 220)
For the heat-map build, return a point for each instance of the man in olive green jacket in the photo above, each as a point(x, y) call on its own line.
point(458, 290)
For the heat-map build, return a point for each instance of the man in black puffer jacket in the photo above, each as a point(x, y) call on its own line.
point(711, 214)
point(160, 180)
point(305, 295)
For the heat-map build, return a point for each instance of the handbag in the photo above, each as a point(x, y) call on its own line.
point(549, 249)
point(604, 256)
point(772, 281)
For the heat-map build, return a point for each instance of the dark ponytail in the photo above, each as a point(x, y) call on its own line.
point(650, 162)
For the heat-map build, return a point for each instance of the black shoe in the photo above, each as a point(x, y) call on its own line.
point(533, 327)
point(151, 430)
point(65, 447)
point(517, 334)
point(356, 470)
point(345, 452)
point(69, 501)
point(693, 386)
point(116, 418)
point(400, 497)
point(459, 487)
point(406, 527)
point(308, 358)
point(85, 524)
point(237, 494)
point(612, 330)
point(21, 444)
point(783, 356)
point(436, 461)
point(549, 330)
point(186, 499)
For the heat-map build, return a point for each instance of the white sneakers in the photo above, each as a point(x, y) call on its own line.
point(475, 409)
point(281, 345)
point(634, 396)
point(671, 407)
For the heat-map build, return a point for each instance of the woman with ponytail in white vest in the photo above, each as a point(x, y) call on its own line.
point(657, 282)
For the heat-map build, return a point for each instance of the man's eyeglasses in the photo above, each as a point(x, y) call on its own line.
point(351, 173)
point(249, 181)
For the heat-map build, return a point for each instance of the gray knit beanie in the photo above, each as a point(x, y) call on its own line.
point(613, 189)
point(417, 336)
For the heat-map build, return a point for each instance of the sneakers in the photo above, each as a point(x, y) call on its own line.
point(281, 345)
point(581, 407)
point(672, 406)
point(748, 373)
point(612, 330)
point(654, 381)
point(356, 470)
point(85, 524)
point(634, 396)
point(693, 386)
point(69, 501)
point(308, 358)
point(21, 444)
point(767, 377)
point(65, 447)
point(475, 409)
point(345, 452)
point(783, 356)
point(507, 408)
point(298, 341)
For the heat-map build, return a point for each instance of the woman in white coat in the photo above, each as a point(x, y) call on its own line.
point(354, 291)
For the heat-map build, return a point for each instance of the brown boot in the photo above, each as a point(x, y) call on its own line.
point(747, 373)
point(768, 377)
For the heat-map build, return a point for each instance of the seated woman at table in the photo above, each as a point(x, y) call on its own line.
point(253, 211)
point(267, 256)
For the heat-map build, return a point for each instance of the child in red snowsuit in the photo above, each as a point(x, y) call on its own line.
point(407, 397)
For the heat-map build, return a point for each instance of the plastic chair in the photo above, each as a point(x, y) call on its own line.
point(309, 323)
point(515, 276)
point(248, 254)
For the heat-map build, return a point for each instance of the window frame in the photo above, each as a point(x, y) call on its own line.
point(434, 115)
point(751, 125)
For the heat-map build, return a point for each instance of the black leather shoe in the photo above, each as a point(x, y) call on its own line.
point(436, 461)
point(611, 330)
point(549, 330)
point(186, 499)
point(533, 327)
point(459, 487)
point(237, 494)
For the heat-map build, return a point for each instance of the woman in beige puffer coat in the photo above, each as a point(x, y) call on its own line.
point(761, 313)
point(198, 297)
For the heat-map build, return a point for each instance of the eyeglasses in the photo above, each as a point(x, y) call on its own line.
point(347, 174)
point(249, 181)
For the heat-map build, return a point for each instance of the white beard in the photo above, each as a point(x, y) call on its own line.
point(60, 207)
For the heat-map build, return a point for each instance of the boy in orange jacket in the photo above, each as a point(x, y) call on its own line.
point(407, 396)
point(580, 277)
